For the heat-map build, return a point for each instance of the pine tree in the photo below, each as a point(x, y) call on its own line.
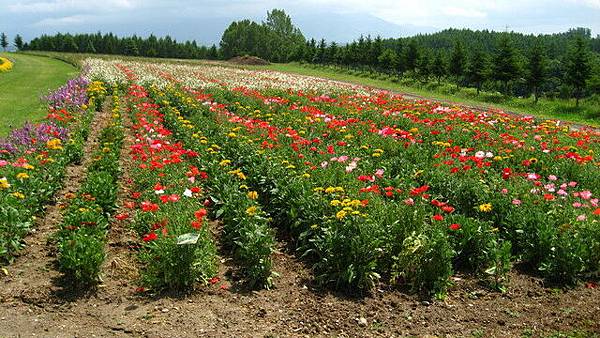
point(388, 60)
point(424, 65)
point(438, 66)
point(478, 68)
point(457, 62)
point(19, 42)
point(411, 56)
point(578, 68)
point(506, 66)
point(3, 41)
point(89, 48)
point(537, 70)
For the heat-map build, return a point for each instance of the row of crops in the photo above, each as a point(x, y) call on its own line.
point(370, 187)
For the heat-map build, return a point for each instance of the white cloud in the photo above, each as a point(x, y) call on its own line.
point(69, 5)
point(589, 3)
point(63, 21)
point(464, 12)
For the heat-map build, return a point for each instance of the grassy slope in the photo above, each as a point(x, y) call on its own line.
point(544, 109)
point(22, 87)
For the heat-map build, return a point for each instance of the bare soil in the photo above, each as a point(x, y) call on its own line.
point(34, 303)
point(249, 60)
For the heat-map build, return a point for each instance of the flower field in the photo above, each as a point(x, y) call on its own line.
point(166, 173)
point(372, 187)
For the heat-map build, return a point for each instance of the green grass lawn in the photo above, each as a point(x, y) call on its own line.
point(22, 87)
point(550, 109)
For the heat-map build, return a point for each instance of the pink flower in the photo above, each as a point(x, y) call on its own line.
point(533, 176)
point(586, 195)
point(562, 192)
point(516, 202)
point(342, 159)
point(324, 164)
point(577, 205)
point(3, 163)
point(504, 191)
point(409, 201)
point(379, 173)
point(572, 184)
point(581, 218)
point(552, 178)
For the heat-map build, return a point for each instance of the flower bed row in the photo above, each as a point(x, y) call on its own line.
point(82, 234)
point(246, 229)
point(420, 223)
point(33, 161)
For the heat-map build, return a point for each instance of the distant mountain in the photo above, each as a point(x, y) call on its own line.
point(347, 27)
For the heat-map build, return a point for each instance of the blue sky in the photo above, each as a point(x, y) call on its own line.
point(341, 20)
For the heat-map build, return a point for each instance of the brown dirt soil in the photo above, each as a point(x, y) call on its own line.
point(33, 304)
point(248, 60)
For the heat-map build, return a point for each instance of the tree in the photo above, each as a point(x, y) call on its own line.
point(388, 60)
point(457, 62)
point(438, 66)
point(3, 41)
point(19, 42)
point(424, 65)
point(537, 69)
point(478, 68)
point(506, 66)
point(411, 55)
point(89, 48)
point(578, 68)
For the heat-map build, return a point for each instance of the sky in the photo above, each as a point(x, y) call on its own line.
point(339, 20)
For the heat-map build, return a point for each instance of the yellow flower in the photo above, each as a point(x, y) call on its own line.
point(22, 176)
point(4, 183)
point(487, 207)
point(252, 195)
point(340, 214)
point(18, 195)
point(54, 144)
point(251, 211)
point(334, 203)
point(243, 186)
point(225, 162)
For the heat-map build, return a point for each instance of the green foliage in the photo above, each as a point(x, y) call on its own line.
point(168, 264)
point(81, 254)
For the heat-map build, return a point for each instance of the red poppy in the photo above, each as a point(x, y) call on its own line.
point(597, 212)
point(195, 190)
point(214, 280)
point(200, 213)
point(549, 197)
point(129, 205)
point(136, 195)
point(150, 237)
point(197, 225)
point(438, 217)
point(149, 206)
point(455, 226)
point(121, 217)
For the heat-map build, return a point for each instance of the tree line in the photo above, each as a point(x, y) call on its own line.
point(152, 46)
point(554, 65)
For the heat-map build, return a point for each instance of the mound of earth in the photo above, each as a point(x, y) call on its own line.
point(249, 60)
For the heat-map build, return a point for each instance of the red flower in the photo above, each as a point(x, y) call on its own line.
point(121, 217)
point(200, 213)
point(597, 212)
point(455, 226)
point(197, 225)
point(549, 197)
point(195, 190)
point(150, 237)
point(214, 280)
point(438, 217)
point(149, 206)
point(129, 205)
point(447, 208)
point(136, 195)
point(173, 198)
